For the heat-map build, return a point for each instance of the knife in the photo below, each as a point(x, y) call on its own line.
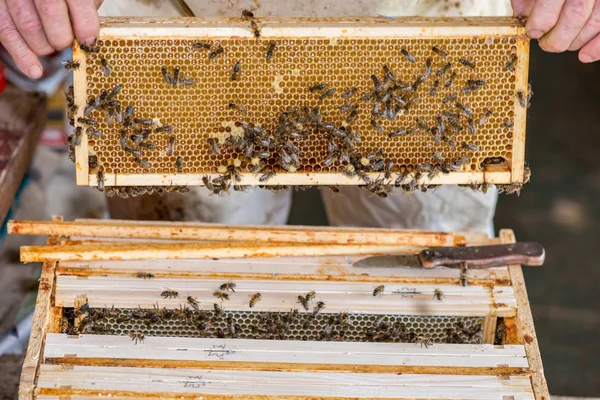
point(474, 257)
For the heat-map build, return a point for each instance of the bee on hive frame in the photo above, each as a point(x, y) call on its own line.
point(255, 29)
point(302, 300)
point(192, 302)
point(218, 310)
point(467, 63)
point(221, 295)
point(409, 57)
point(228, 286)
point(438, 294)
point(71, 65)
point(270, 50)
point(136, 336)
point(170, 294)
point(105, 67)
point(255, 299)
point(379, 290)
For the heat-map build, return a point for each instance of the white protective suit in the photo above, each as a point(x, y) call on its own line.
point(449, 208)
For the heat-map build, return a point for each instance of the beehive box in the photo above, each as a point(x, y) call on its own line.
point(103, 327)
point(483, 61)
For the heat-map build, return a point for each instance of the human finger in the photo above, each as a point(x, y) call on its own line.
point(55, 19)
point(591, 51)
point(29, 25)
point(543, 17)
point(84, 19)
point(589, 31)
point(522, 8)
point(572, 19)
point(16, 46)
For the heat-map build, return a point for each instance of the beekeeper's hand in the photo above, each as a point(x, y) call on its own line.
point(31, 28)
point(563, 25)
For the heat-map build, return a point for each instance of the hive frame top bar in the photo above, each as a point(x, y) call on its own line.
point(342, 28)
point(315, 27)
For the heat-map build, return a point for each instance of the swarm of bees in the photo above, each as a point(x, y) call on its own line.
point(265, 151)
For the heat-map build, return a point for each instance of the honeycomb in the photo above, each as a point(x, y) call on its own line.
point(434, 328)
point(265, 89)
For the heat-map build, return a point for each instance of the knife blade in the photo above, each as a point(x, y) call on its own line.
point(474, 257)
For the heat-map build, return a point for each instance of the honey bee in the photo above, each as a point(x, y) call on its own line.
point(397, 133)
point(421, 124)
point(389, 74)
point(216, 52)
point(254, 299)
point(437, 157)
point(142, 162)
point(424, 341)
point(93, 48)
point(310, 295)
point(451, 98)
point(349, 93)
point(270, 50)
point(221, 295)
point(420, 79)
point(247, 14)
point(144, 275)
point(511, 63)
point(471, 126)
point(93, 162)
point(434, 88)
point(409, 57)
point(439, 51)
point(164, 128)
point(469, 146)
point(166, 76)
point(218, 310)
point(105, 67)
point(302, 300)
point(377, 126)
point(236, 70)
point(214, 146)
point(464, 109)
point(192, 302)
point(438, 294)
point(266, 176)
point(201, 46)
point(428, 63)
point(136, 336)
point(443, 69)
point(228, 286)
point(463, 279)
point(169, 294)
point(317, 87)
point(485, 117)
point(522, 100)
point(179, 164)
point(100, 177)
point(175, 78)
point(328, 93)
point(378, 290)
point(318, 308)
point(255, 29)
point(467, 63)
point(450, 80)
point(71, 65)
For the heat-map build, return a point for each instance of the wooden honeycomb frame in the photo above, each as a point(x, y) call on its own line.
point(95, 366)
point(287, 86)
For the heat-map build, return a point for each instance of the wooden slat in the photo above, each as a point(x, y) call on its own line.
point(79, 91)
point(417, 27)
point(41, 319)
point(190, 250)
point(526, 332)
point(304, 178)
point(521, 82)
point(337, 268)
point(55, 379)
point(217, 232)
point(260, 354)
point(352, 297)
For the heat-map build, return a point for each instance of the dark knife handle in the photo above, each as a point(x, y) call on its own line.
point(479, 257)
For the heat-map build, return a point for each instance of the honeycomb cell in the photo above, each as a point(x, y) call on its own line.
point(264, 90)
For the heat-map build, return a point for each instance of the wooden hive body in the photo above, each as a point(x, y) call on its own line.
point(344, 54)
point(179, 358)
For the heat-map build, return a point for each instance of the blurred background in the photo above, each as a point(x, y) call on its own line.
point(559, 209)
